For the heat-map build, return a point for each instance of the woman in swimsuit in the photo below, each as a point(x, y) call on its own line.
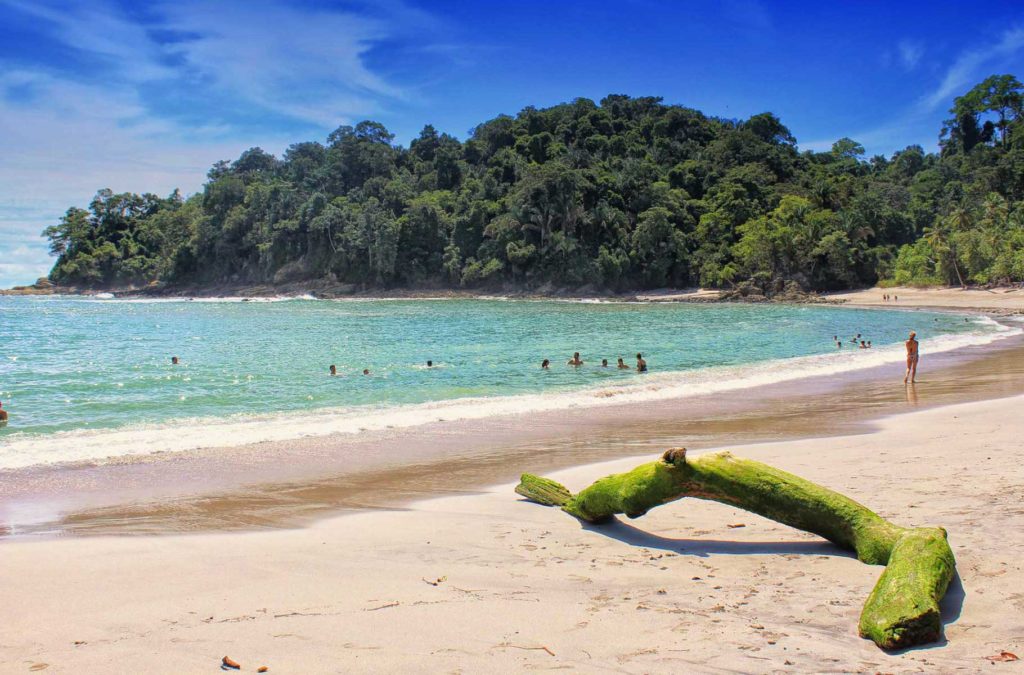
point(913, 355)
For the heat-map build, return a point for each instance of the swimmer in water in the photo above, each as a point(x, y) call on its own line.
point(366, 371)
point(913, 355)
point(3, 414)
point(622, 364)
point(869, 344)
point(430, 364)
point(641, 365)
point(174, 360)
point(604, 363)
point(334, 370)
point(544, 364)
point(863, 345)
point(575, 360)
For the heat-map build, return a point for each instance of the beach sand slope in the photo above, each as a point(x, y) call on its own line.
point(490, 583)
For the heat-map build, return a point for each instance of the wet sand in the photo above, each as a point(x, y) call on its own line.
point(289, 484)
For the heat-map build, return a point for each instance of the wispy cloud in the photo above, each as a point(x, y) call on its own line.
point(910, 53)
point(968, 67)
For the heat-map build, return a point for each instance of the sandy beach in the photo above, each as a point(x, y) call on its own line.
point(483, 580)
point(998, 300)
point(490, 582)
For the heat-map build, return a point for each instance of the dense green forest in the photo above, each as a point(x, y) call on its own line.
point(629, 193)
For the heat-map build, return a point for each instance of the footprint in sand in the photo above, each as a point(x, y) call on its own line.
point(39, 666)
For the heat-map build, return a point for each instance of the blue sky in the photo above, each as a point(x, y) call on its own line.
point(104, 94)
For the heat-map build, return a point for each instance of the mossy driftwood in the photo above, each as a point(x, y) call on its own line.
point(902, 610)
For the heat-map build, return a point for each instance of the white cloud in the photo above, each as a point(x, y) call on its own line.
point(72, 139)
point(910, 53)
point(968, 67)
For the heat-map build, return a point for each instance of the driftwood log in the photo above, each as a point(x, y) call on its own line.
point(902, 610)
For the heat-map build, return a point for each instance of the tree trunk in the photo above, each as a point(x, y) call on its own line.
point(903, 608)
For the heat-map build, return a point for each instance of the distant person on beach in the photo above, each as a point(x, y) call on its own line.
point(913, 355)
point(604, 363)
point(334, 370)
point(641, 365)
point(174, 360)
point(622, 364)
point(544, 364)
point(575, 360)
point(3, 414)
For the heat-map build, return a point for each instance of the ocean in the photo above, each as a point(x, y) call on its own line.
point(89, 379)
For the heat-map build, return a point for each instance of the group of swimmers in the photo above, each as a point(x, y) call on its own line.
point(576, 361)
point(857, 342)
point(366, 371)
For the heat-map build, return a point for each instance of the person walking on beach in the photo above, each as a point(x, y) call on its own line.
point(575, 360)
point(641, 365)
point(912, 357)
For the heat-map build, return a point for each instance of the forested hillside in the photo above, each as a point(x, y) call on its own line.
point(628, 193)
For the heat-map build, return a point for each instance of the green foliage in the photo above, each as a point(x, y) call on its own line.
point(625, 193)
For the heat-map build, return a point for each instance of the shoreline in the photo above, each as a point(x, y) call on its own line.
point(293, 483)
point(491, 581)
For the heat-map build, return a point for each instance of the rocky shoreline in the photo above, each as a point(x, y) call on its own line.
point(328, 290)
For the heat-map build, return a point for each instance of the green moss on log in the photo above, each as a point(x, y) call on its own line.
point(902, 609)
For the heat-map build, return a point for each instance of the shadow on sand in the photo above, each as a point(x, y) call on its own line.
point(951, 606)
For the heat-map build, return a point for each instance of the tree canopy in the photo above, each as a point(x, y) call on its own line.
point(625, 193)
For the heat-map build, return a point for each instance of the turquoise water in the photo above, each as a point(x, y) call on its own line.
point(84, 365)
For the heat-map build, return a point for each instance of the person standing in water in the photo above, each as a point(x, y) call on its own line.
point(575, 360)
point(174, 360)
point(334, 370)
point(641, 365)
point(3, 414)
point(913, 355)
point(544, 364)
point(622, 364)
point(604, 363)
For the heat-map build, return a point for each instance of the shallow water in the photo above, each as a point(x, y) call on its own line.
point(88, 378)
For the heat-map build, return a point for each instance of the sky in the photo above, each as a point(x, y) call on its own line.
point(105, 94)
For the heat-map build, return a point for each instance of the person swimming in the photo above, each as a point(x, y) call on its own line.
point(604, 363)
point(622, 364)
point(641, 365)
point(3, 414)
point(366, 371)
point(334, 370)
point(869, 344)
point(430, 364)
point(575, 360)
point(174, 360)
point(863, 345)
point(544, 364)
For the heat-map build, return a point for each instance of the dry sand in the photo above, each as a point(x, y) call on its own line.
point(1000, 300)
point(521, 587)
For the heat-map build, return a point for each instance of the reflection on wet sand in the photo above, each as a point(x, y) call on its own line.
point(288, 484)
